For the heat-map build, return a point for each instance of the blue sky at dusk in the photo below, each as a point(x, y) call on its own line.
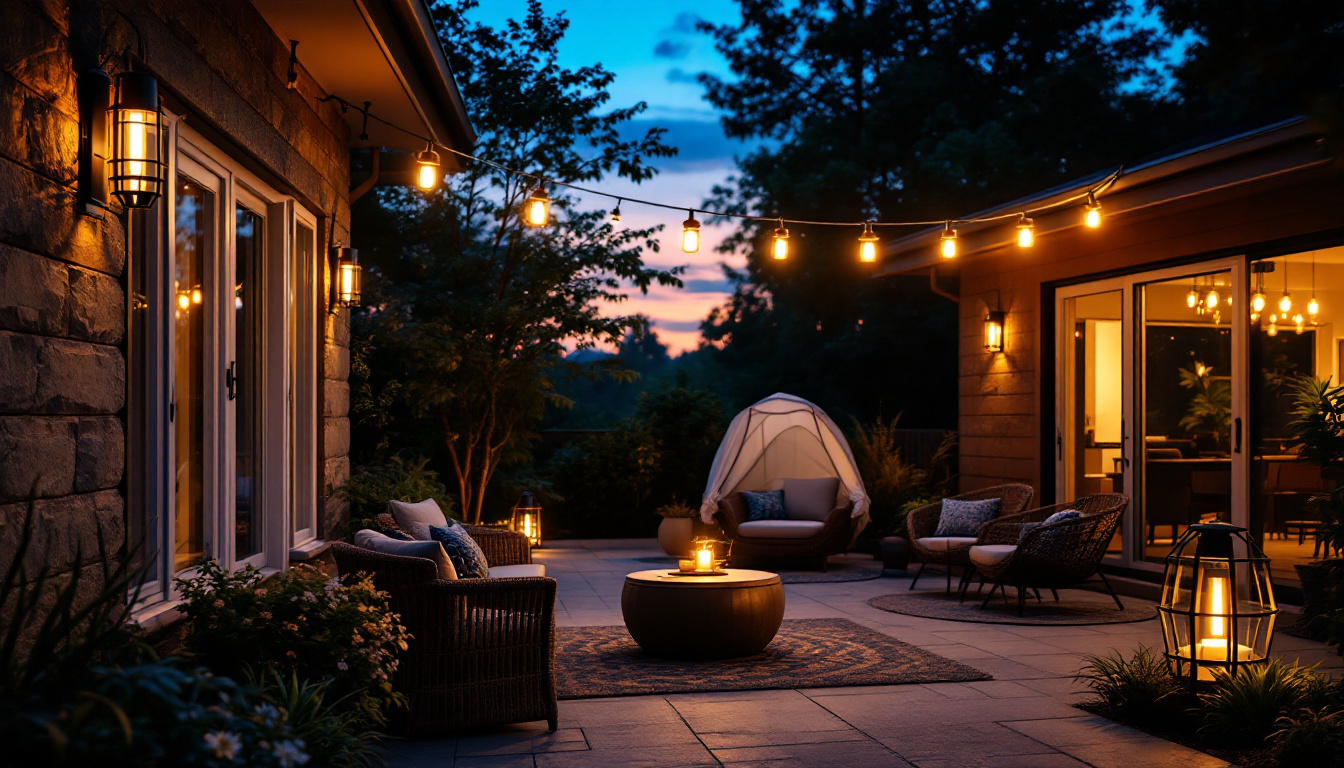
point(654, 51)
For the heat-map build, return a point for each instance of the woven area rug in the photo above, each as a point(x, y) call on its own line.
point(841, 568)
point(1076, 607)
point(807, 653)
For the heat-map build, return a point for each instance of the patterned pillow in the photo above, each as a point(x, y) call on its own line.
point(965, 518)
point(468, 559)
point(765, 505)
point(1049, 537)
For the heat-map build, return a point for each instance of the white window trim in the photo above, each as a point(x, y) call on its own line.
point(287, 465)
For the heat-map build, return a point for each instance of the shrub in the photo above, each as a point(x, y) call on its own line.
point(677, 509)
point(328, 727)
point(369, 488)
point(298, 622)
point(892, 482)
point(1310, 737)
point(1245, 707)
point(1137, 690)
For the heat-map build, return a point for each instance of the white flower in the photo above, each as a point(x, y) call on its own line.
point(290, 753)
point(224, 744)
point(341, 665)
point(268, 714)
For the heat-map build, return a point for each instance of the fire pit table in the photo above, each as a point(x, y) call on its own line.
point(703, 617)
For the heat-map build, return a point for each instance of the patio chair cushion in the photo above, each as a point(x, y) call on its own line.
point(429, 550)
point(417, 518)
point(764, 505)
point(945, 543)
point(519, 571)
point(463, 550)
point(965, 518)
point(810, 499)
point(780, 529)
point(991, 554)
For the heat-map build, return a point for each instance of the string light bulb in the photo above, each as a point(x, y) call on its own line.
point(780, 245)
point(1257, 302)
point(1026, 232)
point(868, 244)
point(427, 169)
point(1273, 329)
point(948, 241)
point(1192, 298)
point(1285, 303)
point(1299, 323)
point(690, 233)
point(1313, 306)
point(1093, 216)
point(1211, 298)
point(538, 207)
point(616, 212)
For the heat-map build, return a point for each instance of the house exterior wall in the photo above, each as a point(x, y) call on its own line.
point(63, 378)
point(1006, 401)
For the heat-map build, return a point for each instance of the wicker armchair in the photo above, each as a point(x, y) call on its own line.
point(1055, 556)
point(922, 522)
point(832, 539)
point(482, 650)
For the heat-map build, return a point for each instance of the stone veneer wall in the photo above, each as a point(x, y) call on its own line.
point(63, 387)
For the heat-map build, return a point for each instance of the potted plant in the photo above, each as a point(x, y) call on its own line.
point(1318, 429)
point(677, 530)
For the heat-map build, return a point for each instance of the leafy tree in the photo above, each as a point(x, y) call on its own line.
point(473, 306)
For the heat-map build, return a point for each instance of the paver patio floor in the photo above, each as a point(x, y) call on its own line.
point(1023, 717)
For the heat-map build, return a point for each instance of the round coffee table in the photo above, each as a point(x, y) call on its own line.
point(703, 617)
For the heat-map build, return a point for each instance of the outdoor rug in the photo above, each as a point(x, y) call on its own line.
point(807, 653)
point(850, 567)
point(1076, 607)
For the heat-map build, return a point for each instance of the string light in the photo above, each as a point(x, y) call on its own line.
point(1093, 216)
point(868, 244)
point(427, 165)
point(690, 233)
point(947, 245)
point(1313, 306)
point(780, 244)
point(616, 212)
point(538, 207)
point(1026, 232)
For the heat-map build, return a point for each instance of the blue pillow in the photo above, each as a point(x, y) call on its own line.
point(468, 559)
point(1049, 536)
point(965, 518)
point(765, 505)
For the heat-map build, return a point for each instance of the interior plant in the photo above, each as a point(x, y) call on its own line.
point(1210, 409)
point(1318, 438)
point(1139, 689)
point(677, 530)
point(299, 622)
point(369, 488)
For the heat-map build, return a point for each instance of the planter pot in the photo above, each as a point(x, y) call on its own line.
point(895, 553)
point(675, 535)
point(1315, 586)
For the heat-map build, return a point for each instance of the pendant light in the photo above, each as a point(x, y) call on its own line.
point(1026, 232)
point(1093, 216)
point(1211, 298)
point(1285, 303)
point(616, 212)
point(1192, 298)
point(427, 169)
point(868, 244)
point(1313, 306)
point(1258, 300)
point(538, 208)
point(690, 233)
point(947, 245)
point(779, 246)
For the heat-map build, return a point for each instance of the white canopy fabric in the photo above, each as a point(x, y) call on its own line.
point(783, 437)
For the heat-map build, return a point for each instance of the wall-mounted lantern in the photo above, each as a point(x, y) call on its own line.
point(994, 330)
point(346, 277)
point(137, 167)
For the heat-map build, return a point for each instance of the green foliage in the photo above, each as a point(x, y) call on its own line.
point(369, 488)
point(677, 510)
point(1310, 737)
point(298, 622)
point(1210, 410)
point(475, 308)
point(331, 730)
point(1245, 708)
point(895, 485)
point(1138, 689)
point(1318, 426)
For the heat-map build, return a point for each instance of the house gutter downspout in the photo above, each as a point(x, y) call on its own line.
point(367, 184)
point(933, 286)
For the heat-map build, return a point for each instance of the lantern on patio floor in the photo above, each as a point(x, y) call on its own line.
point(527, 518)
point(1217, 607)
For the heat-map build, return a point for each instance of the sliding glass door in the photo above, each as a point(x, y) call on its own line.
point(1151, 401)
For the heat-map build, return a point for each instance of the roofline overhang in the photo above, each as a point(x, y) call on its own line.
point(441, 104)
point(1275, 149)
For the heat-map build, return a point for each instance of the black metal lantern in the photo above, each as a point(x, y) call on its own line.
point(527, 518)
point(994, 330)
point(137, 168)
point(345, 277)
point(1217, 608)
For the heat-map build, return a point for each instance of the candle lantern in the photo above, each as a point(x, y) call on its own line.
point(137, 124)
point(710, 554)
point(994, 330)
point(527, 518)
point(1217, 608)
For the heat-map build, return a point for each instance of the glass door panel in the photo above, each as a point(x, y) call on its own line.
point(244, 379)
point(1186, 414)
point(1090, 443)
point(194, 251)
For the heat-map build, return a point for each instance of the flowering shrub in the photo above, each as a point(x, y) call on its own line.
point(298, 622)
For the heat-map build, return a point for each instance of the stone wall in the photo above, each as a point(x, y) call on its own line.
point(63, 386)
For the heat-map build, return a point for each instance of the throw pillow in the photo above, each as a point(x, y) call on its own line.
point(463, 550)
point(417, 518)
point(1049, 536)
point(965, 518)
point(810, 499)
point(765, 505)
point(429, 550)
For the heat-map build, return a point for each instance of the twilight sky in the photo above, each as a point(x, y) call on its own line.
point(654, 50)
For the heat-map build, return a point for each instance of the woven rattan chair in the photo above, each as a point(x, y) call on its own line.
point(922, 522)
point(832, 538)
point(482, 650)
point(1055, 556)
